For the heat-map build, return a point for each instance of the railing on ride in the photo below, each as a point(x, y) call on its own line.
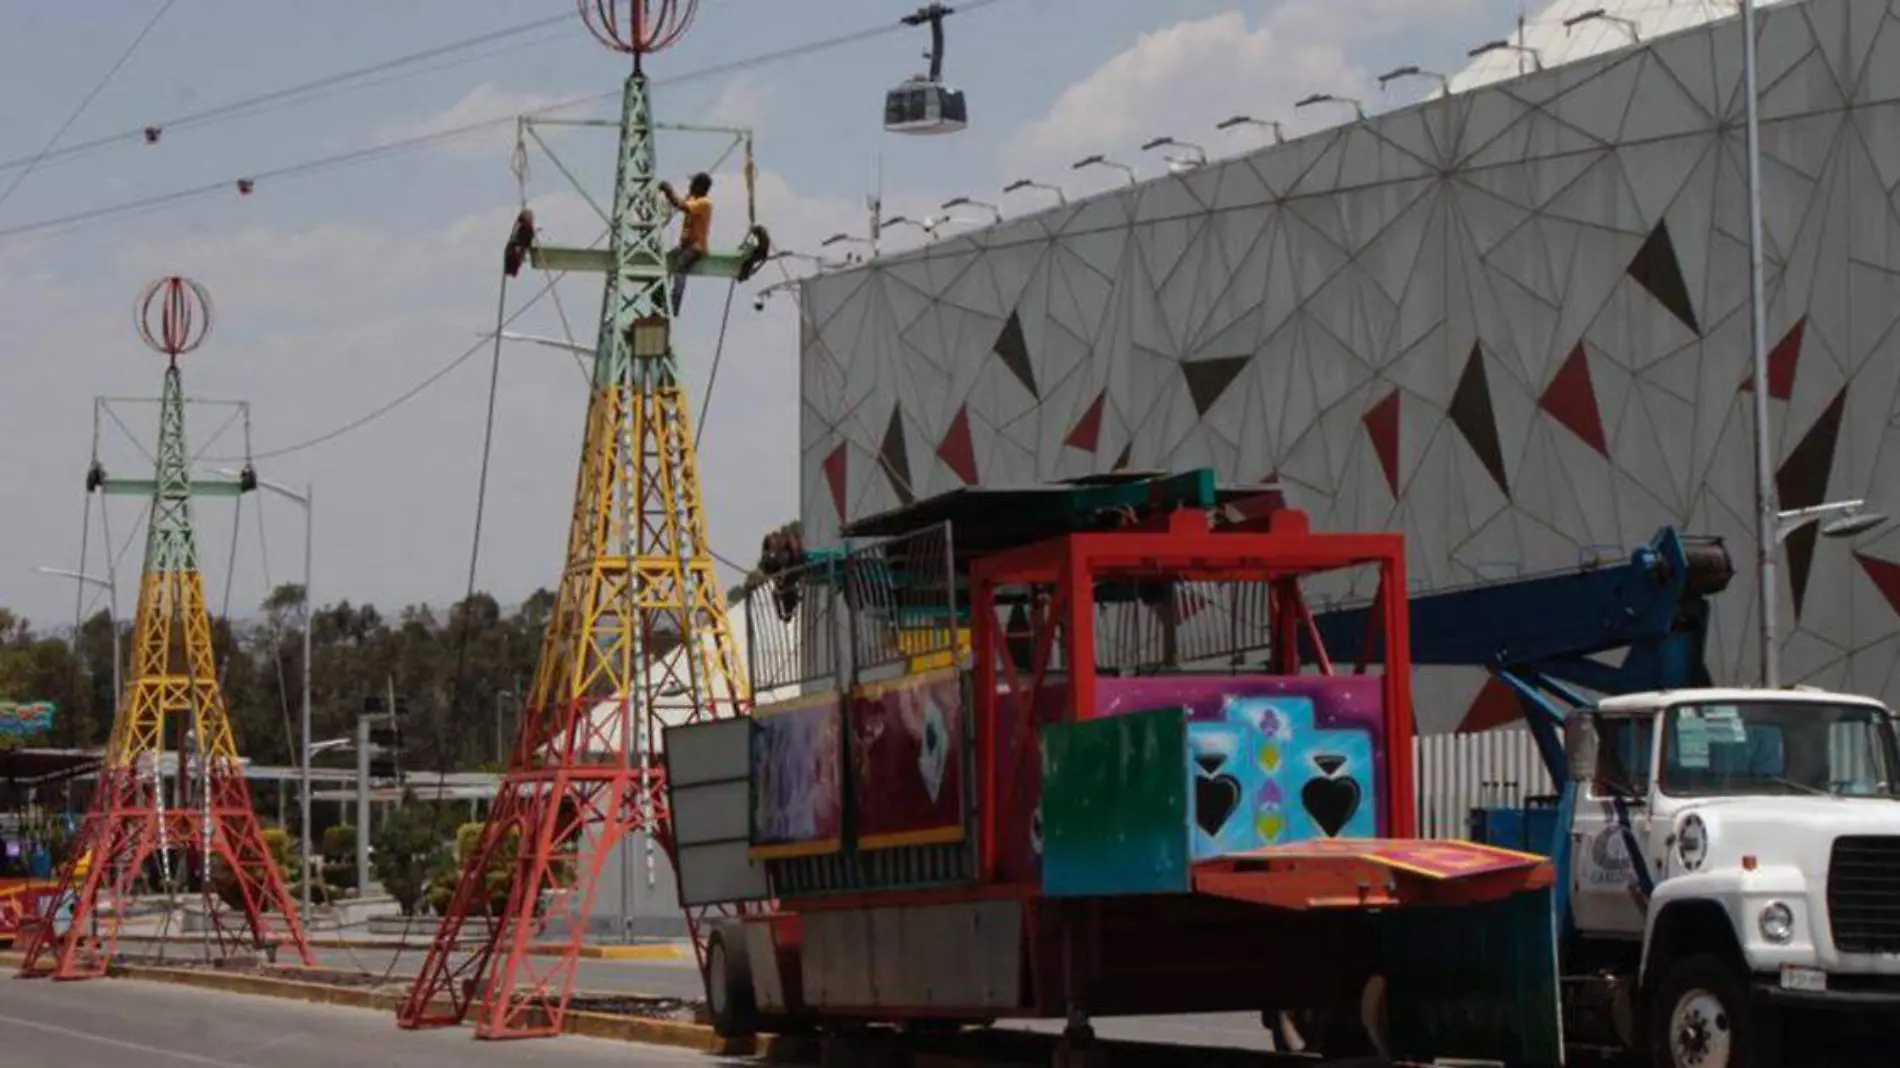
point(794, 628)
point(902, 595)
point(877, 610)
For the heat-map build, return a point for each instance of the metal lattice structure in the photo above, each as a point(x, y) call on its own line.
point(201, 833)
point(638, 639)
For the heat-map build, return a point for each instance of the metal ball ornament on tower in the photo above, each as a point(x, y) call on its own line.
point(173, 316)
point(638, 27)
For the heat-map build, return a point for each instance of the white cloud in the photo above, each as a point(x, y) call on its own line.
point(483, 103)
point(1181, 80)
point(745, 102)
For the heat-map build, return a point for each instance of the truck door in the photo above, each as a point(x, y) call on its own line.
point(1607, 888)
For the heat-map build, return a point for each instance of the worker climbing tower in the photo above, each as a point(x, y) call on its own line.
point(638, 638)
point(198, 833)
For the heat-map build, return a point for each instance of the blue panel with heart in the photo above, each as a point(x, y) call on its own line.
point(1264, 774)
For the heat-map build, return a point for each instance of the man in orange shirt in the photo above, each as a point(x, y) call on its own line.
point(695, 229)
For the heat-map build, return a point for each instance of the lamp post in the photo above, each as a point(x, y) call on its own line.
point(1024, 183)
point(1199, 159)
point(1853, 519)
point(1413, 71)
point(1537, 58)
point(1358, 109)
point(996, 213)
point(1099, 160)
point(1229, 123)
point(1767, 511)
point(112, 617)
point(307, 501)
point(1594, 14)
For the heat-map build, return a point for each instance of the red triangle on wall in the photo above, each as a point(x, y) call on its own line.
point(957, 450)
point(1886, 576)
point(1087, 432)
point(1571, 399)
point(834, 476)
point(1783, 360)
point(1495, 706)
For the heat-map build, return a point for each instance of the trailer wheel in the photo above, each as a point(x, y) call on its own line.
point(1700, 1017)
point(729, 998)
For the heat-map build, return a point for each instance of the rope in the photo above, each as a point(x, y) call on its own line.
point(712, 377)
point(457, 678)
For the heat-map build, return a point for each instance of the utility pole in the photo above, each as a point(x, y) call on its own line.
point(362, 806)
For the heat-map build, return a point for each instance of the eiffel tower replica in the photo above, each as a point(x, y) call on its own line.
point(197, 833)
point(639, 626)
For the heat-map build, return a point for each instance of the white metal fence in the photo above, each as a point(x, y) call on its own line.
point(1460, 772)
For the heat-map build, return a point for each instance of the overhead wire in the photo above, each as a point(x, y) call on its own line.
point(97, 88)
point(370, 153)
point(313, 89)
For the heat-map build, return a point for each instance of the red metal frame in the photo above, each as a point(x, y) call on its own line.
point(1279, 548)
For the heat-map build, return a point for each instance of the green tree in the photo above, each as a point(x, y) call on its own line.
point(409, 848)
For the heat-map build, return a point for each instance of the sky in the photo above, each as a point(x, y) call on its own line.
point(339, 289)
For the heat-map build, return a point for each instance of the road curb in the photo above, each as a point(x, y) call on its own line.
point(660, 951)
point(673, 1033)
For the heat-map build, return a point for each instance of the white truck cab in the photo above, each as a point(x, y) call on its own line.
point(1734, 853)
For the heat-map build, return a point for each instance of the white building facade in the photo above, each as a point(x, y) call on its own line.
point(1511, 323)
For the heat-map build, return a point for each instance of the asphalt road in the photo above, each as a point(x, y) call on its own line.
point(112, 1023)
point(681, 979)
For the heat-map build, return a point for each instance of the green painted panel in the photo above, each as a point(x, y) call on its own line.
point(1474, 983)
point(1115, 805)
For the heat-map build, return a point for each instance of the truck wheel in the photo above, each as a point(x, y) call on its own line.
point(1700, 1017)
point(729, 999)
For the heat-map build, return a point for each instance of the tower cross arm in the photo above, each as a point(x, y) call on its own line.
point(200, 487)
point(737, 263)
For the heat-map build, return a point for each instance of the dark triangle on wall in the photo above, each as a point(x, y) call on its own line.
point(1013, 350)
point(894, 457)
point(1802, 483)
point(1208, 379)
point(1121, 462)
point(1472, 414)
point(1657, 270)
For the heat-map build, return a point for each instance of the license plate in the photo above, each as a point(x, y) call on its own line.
point(1813, 980)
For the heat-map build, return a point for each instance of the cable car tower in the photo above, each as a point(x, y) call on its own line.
point(203, 831)
point(638, 638)
point(923, 104)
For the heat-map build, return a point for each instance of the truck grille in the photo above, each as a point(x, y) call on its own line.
point(1863, 894)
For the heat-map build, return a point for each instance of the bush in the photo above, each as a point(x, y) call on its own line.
point(224, 881)
point(409, 849)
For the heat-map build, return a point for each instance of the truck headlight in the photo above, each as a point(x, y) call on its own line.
point(1777, 923)
point(1692, 842)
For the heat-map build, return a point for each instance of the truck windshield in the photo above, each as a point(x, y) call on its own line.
point(1780, 748)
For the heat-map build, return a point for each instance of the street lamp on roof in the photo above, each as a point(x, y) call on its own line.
point(1229, 123)
point(1413, 71)
point(1598, 14)
point(839, 239)
point(927, 224)
point(962, 202)
point(1537, 58)
point(1024, 183)
point(1329, 98)
point(1199, 159)
point(1099, 160)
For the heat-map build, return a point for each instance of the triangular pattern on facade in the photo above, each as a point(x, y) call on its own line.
point(1511, 323)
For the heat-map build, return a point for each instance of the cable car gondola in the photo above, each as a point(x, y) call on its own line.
point(923, 104)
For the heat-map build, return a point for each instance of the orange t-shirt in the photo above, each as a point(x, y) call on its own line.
point(696, 230)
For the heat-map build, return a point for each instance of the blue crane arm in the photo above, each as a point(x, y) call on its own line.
point(1542, 635)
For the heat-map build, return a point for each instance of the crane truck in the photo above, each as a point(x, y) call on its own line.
point(1728, 860)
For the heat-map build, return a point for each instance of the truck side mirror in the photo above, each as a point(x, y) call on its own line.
point(1580, 742)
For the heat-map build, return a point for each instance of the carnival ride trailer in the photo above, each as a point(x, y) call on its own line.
point(988, 778)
